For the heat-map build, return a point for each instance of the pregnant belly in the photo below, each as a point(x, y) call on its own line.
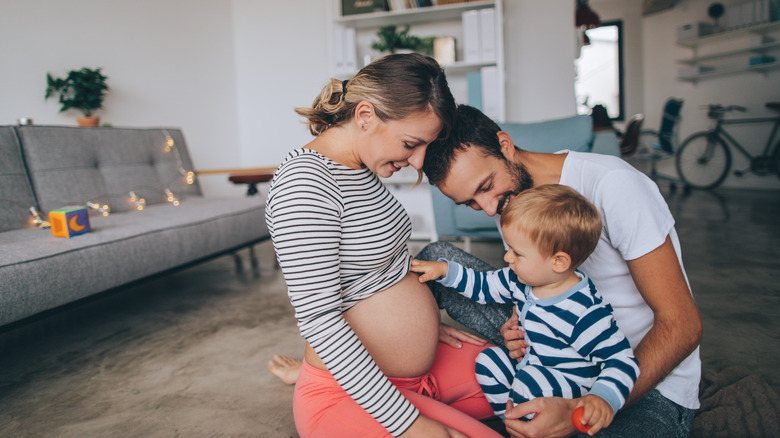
point(398, 326)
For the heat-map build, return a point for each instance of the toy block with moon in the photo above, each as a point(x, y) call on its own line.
point(69, 221)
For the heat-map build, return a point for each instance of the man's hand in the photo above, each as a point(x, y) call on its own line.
point(514, 337)
point(552, 418)
point(598, 413)
point(429, 270)
point(453, 337)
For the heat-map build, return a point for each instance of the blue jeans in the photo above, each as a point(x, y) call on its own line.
point(651, 416)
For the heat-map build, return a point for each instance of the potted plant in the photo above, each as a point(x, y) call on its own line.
point(390, 40)
point(83, 90)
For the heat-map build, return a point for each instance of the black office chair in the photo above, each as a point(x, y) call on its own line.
point(661, 143)
point(629, 141)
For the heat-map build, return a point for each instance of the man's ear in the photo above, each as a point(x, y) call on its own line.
point(507, 145)
point(364, 114)
point(561, 262)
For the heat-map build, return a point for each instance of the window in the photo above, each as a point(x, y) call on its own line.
point(599, 71)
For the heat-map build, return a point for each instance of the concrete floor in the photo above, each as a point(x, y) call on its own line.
point(185, 355)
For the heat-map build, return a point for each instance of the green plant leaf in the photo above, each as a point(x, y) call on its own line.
point(83, 90)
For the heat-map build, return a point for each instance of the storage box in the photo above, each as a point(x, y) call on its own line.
point(761, 59)
point(760, 40)
point(694, 30)
point(693, 70)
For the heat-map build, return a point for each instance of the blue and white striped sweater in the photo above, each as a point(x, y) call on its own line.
point(574, 332)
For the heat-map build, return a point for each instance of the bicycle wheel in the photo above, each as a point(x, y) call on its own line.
point(776, 159)
point(703, 160)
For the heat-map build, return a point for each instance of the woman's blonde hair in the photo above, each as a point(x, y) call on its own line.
point(397, 85)
point(556, 218)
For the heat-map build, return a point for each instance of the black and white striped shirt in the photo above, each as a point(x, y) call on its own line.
point(340, 236)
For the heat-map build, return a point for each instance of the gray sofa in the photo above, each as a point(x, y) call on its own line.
point(50, 167)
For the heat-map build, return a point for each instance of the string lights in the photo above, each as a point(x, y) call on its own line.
point(139, 202)
point(171, 198)
point(37, 219)
point(170, 146)
point(102, 209)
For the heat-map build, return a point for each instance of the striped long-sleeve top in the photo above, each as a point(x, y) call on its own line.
point(574, 332)
point(340, 236)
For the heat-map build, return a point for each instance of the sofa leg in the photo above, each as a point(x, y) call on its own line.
point(253, 261)
point(239, 263)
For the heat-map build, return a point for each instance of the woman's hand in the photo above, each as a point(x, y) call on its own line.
point(514, 337)
point(429, 270)
point(453, 337)
point(425, 427)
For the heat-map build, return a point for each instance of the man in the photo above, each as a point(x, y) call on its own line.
point(636, 265)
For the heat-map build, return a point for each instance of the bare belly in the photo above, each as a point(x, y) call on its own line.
point(398, 326)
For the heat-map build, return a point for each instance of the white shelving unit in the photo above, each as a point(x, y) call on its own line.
point(740, 54)
point(437, 21)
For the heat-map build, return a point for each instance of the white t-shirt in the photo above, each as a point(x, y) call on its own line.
point(636, 221)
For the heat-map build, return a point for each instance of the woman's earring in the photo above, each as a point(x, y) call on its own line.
point(363, 127)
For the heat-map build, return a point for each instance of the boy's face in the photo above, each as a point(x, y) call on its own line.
point(525, 260)
point(484, 182)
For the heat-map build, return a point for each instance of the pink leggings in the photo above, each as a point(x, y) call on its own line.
point(449, 394)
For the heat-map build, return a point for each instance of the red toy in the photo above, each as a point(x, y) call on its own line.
point(576, 419)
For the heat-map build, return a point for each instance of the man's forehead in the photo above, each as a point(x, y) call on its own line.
point(468, 170)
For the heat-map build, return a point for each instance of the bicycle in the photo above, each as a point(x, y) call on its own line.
point(704, 158)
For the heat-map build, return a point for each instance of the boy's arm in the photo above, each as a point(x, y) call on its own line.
point(429, 270)
point(483, 287)
point(597, 338)
point(596, 415)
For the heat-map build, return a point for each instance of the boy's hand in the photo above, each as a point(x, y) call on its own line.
point(429, 270)
point(598, 413)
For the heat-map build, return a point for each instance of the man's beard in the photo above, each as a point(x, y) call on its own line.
point(521, 180)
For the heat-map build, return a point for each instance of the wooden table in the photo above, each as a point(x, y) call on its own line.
point(250, 177)
point(251, 180)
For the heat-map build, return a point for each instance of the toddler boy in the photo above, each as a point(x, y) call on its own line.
point(575, 349)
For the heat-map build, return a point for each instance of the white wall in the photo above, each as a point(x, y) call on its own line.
point(282, 62)
point(630, 12)
point(169, 63)
point(539, 48)
point(750, 90)
point(656, 43)
point(230, 72)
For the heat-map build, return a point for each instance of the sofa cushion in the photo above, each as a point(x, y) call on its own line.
point(16, 195)
point(40, 271)
point(71, 165)
point(574, 133)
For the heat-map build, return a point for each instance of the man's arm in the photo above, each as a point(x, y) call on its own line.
point(677, 327)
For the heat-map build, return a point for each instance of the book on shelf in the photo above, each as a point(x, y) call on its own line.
point(487, 34)
point(490, 102)
point(471, 36)
point(352, 7)
point(479, 35)
point(345, 54)
point(447, 2)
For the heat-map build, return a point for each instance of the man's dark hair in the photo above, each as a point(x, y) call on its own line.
point(471, 128)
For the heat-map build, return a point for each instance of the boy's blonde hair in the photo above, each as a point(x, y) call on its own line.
point(556, 218)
